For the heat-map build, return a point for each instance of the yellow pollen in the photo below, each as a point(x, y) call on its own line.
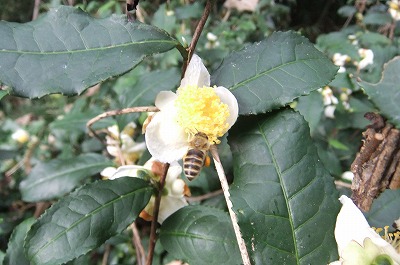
point(201, 110)
point(392, 238)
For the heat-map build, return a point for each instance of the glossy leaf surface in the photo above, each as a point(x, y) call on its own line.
point(200, 235)
point(53, 179)
point(67, 51)
point(85, 219)
point(285, 199)
point(386, 94)
point(271, 73)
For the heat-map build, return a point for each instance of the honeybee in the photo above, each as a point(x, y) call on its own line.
point(196, 157)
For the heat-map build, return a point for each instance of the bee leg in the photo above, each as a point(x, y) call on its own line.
point(207, 161)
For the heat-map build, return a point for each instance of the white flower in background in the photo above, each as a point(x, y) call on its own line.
point(240, 5)
point(353, 39)
point(340, 60)
point(174, 191)
point(348, 175)
point(358, 243)
point(21, 136)
point(195, 107)
point(329, 111)
point(330, 102)
point(122, 144)
point(367, 58)
point(344, 97)
point(394, 9)
point(212, 41)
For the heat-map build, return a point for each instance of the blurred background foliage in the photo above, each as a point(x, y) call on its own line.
point(55, 125)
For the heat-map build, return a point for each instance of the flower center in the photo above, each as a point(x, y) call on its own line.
point(201, 110)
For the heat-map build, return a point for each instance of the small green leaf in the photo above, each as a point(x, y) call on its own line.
point(85, 219)
point(271, 73)
point(285, 199)
point(337, 144)
point(53, 179)
point(3, 93)
point(386, 93)
point(200, 235)
point(67, 51)
point(385, 209)
point(15, 252)
point(311, 107)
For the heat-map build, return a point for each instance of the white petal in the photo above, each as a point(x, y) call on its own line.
point(126, 171)
point(174, 172)
point(165, 139)
point(336, 263)
point(165, 99)
point(108, 172)
point(228, 98)
point(168, 206)
point(352, 225)
point(196, 73)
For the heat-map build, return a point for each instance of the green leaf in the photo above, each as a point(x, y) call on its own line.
point(67, 51)
point(271, 73)
point(3, 93)
point(385, 209)
point(74, 122)
point(386, 93)
point(200, 235)
point(285, 199)
point(15, 251)
point(53, 179)
point(337, 144)
point(311, 107)
point(144, 92)
point(85, 219)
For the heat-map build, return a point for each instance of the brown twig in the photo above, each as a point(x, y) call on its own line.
point(153, 234)
point(197, 33)
point(225, 188)
point(106, 254)
point(36, 10)
point(204, 197)
point(140, 254)
point(114, 113)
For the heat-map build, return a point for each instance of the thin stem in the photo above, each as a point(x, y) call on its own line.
point(225, 188)
point(197, 33)
point(204, 196)
point(153, 234)
point(140, 254)
point(106, 254)
point(36, 10)
point(114, 113)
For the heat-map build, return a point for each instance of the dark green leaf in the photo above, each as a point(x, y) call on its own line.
point(3, 93)
point(144, 92)
point(347, 11)
point(285, 199)
point(377, 19)
point(76, 122)
point(67, 51)
point(337, 42)
point(15, 252)
point(386, 94)
point(85, 219)
point(53, 179)
point(385, 209)
point(311, 107)
point(200, 235)
point(271, 73)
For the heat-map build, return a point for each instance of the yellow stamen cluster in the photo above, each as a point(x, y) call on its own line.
point(391, 238)
point(201, 110)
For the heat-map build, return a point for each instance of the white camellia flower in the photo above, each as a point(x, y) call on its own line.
point(174, 191)
point(122, 143)
point(367, 58)
point(21, 136)
point(358, 243)
point(195, 107)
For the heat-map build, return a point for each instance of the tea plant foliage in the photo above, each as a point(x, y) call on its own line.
point(86, 219)
point(67, 51)
point(272, 73)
